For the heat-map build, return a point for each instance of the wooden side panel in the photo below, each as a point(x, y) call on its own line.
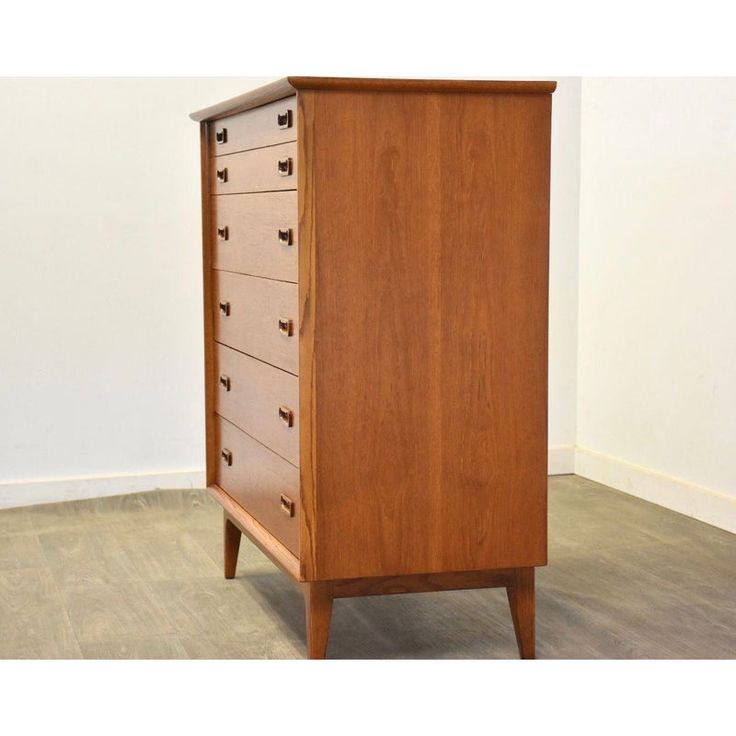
point(307, 359)
point(429, 224)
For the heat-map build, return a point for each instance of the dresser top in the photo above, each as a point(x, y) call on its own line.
point(290, 85)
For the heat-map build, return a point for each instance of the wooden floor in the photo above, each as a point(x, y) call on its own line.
point(140, 576)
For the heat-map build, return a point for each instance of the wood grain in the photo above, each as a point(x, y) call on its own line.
point(254, 171)
point(429, 293)
point(252, 325)
point(254, 128)
point(433, 582)
point(256, 392)
point(253, 222)
point(231, 545)
point(408, 86)
point(256, 478)
point(308, 532)
point(318, 602)
point(521, 601)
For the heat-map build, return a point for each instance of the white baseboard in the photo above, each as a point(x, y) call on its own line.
point(704, 504)
point(51, 490)
point(561, 460)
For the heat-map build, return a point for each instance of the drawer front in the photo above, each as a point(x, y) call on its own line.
point(264, 484)
point(259, 317)
point(269, 169)
point(260, 399)
point(267, 125)
point(256, 234)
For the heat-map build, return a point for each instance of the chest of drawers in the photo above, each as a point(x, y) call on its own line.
point(375, 309)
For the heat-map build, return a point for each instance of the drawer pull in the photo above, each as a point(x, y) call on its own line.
point(287, 506)
point(221, 135)
point(227, 457)
point(223, 233)
point(286, 415)
point(286, 327)
point(225, 308)
point(222, 175)
point(283, 167)
point(285, 236)
point(225, 382)
point(284, 119)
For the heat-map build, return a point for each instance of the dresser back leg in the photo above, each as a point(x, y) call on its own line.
point(231, 544)
point(318, 599)
point(521, 602)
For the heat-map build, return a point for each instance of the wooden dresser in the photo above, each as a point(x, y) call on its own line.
point(375, 317)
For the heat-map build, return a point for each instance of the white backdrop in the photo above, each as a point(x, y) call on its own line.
point(657, 339)
point(100, 314)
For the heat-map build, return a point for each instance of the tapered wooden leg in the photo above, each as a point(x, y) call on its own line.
point(521, 602)
point(231, 539)
point(318, 599)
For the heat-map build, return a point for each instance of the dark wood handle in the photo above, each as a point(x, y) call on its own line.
point(225, 382)
point(286, 415)
point(287, 506)
point(221, 135)
point(223, 233)
point(227, 457)
point(285, 236)
point(222, 175)
point(286, 327)
point(284, 166)
point(225, 308)
point(283, 119)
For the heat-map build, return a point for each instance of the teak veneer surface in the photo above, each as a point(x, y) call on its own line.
point(426, 235)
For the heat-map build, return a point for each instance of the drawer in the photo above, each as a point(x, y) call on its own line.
point(267, 125)
point(260, 399)
point(269, 169)
point(263, 483)
point(256, 234)
point(257, 316)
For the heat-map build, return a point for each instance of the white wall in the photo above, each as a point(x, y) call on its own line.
point(563, 317)
point(100, 316)
point(657, 311)
point(100, 286)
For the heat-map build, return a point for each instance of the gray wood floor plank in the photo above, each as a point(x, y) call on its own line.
point(21, 550)
point(140, 576)
point(101, 612)
point(34, 623)
point(149, 647)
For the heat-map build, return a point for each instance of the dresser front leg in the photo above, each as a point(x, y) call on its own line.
point(521, 602)
point(231, 544)
point(318, 600)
